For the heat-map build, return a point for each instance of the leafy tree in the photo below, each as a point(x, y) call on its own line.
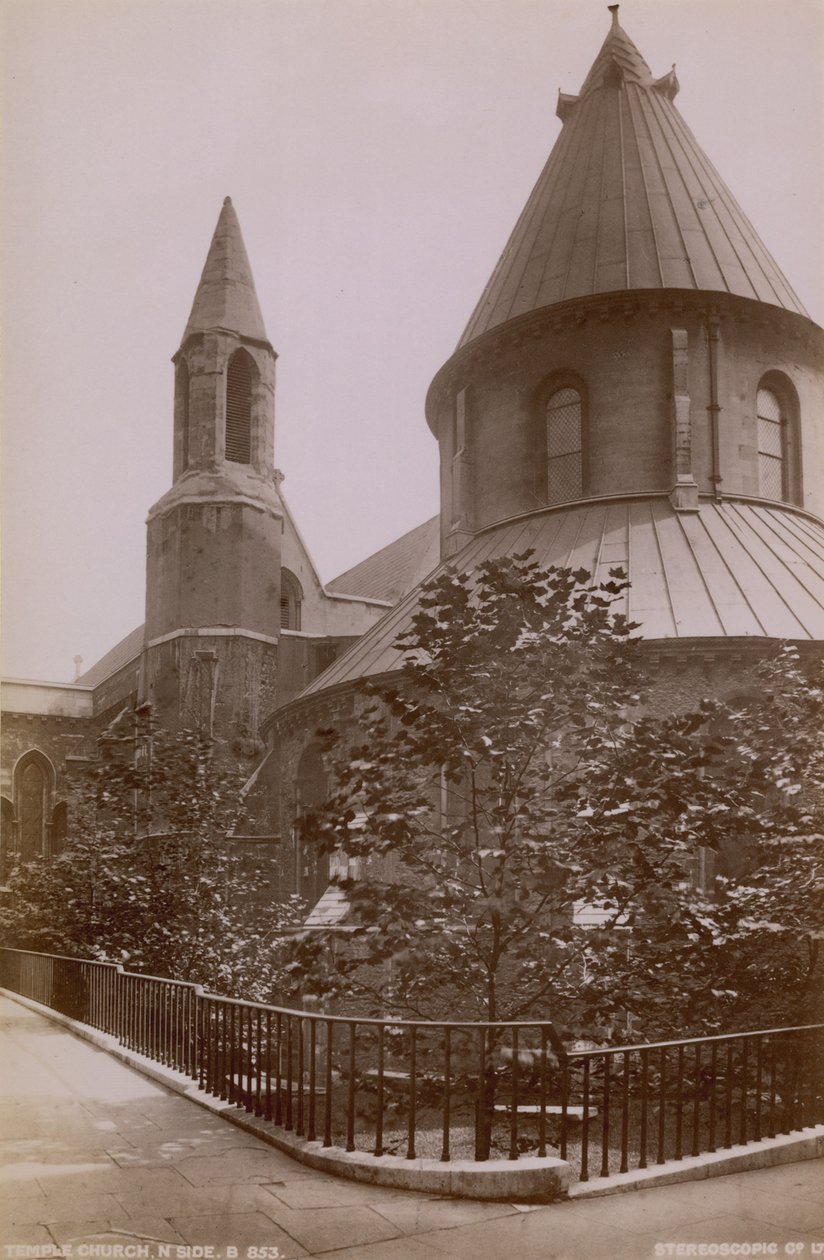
point(525, 824)
point(148, 875)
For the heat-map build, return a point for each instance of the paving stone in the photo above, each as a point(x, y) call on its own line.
point(170, 1149)
point(114, 1180)
point(643, 1211)
point(416, 1215)
point(249, 1164)
point(26, 1210)
point(146, 1229)
point(61, 1206)
point(195, 1201)
point(26, 1235)
point(323, 1229)
point(19, 1189)
point(322, 1191)
point(731, 1228)
point(799, 1181)
point(237, 1229)
point(773, 1207)
point(549, 1234)
point(396, 1249)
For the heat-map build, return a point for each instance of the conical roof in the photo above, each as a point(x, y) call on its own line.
point(627, 200)
point(225, 296)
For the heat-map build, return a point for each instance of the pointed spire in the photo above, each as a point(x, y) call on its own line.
point(225, 296)
point(618, 61)
point(627, 200)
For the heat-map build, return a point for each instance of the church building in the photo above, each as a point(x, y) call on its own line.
point(637, 386)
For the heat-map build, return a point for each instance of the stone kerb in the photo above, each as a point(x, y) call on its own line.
point(526, 1180)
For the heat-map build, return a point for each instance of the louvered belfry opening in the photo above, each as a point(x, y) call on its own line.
point(290, 601)
point(239, 409)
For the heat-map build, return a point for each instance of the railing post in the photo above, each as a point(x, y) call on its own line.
point(379, 1105)
point(585, 1124)
point(288, 1072)
point(742, 1130)
point(642, 1155)
point(696, 1100)
point(679, 1104)
point(480, 1110)
point(565, 1083)
point(413, 1088)
point(313, 1049)
point(268, 1112)
point(447, 1089)
point(327, 1115)
point(258, 1063)
point(515, 1102)
point(728, 1097)
point(278, 1072)
point(662, 1105)
point(607, 1061)
point(299, 1130)
point(350, 1100)
point(713, 1090)
point(625, 1114)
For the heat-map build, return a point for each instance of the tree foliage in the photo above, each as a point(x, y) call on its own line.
point(149, 875)
point(524, 824)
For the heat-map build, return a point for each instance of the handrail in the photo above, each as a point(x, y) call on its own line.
point(694, 1041)
point(447, 1089)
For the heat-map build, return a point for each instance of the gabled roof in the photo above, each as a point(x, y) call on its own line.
point(118, 656)
point(226, 296)
point(734, 569)
point(396, 568)
point(627, 200)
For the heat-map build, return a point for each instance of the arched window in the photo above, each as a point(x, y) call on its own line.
point(239, 408)
point(33, 786)
point(773, 441)
point(564, 446)
point(291, 598)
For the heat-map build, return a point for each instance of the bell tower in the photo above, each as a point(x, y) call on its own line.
point(213, 545)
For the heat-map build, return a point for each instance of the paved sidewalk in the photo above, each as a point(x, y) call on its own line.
point(98, 1159)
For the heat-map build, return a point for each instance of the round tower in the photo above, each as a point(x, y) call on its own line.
point(213, 545)
point(635, 339)
point(638, 387)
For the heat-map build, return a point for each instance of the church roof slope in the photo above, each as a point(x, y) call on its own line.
point(396, 568)
point(118, 656)
point(735, 569)
point(627, 200)
point(226, 296)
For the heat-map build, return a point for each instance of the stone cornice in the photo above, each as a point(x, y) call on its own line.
point(627, 306)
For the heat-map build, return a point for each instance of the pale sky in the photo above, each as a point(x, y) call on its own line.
point(378, 153)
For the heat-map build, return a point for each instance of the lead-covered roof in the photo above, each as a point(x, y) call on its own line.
point(627, 200)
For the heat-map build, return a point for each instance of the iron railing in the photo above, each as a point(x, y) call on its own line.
point(450, 1089)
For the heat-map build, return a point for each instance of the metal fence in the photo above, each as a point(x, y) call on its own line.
point(447, 1090)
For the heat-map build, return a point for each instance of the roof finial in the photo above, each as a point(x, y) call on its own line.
point(613, 8)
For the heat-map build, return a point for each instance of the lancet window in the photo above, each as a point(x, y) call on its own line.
point(564, 446)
